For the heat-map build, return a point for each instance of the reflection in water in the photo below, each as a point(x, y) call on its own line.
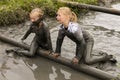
point(15, 69)
point(67, 75)
point(53, 75)
point(48, 70)
point(32, 67)
point(39, 67)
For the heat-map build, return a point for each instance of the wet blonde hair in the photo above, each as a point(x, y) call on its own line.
point(38, 11)
point(67, 11)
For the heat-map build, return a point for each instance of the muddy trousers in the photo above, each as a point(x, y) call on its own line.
point(33, 48)
point(88, 58)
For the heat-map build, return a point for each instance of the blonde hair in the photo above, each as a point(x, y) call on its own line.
point(67, 11)
point(38, 11)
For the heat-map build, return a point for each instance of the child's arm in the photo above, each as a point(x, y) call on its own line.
point(49, 42)
point(59, 41)
point(26, 34)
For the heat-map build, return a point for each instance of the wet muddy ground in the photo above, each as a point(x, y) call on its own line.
point(36, 68)
point(105, 29)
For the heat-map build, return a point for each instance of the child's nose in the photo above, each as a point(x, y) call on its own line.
point(32, 20)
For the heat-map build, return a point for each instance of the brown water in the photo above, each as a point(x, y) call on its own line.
point(105, 29)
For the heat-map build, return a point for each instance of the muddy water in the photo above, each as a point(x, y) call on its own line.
point(105, 29)
point(14, 67)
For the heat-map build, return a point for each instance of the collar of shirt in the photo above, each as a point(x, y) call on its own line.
point(72, 27)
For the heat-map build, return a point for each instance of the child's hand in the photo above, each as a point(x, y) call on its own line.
point(55, 55)
point(75, 60)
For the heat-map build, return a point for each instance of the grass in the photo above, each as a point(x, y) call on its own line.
point(16, 11)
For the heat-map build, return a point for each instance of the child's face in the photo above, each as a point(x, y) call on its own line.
point(34, 17)
point(62, 18)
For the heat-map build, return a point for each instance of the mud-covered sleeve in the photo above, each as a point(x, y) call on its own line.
point(48, 36)
point(26, 34)
point(78, 34)
point(80, 43)
point(59, 41)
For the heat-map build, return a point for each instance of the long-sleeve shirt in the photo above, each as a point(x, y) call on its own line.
point(74, 32)
point(42, 34)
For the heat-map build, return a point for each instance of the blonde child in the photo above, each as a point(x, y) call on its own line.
point(42, 37)
point(70, 28)
point(84, 41)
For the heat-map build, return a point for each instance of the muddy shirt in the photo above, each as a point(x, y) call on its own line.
point(42, 34)
point(74, 32)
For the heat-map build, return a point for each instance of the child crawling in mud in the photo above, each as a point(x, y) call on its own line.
point(84, 41)
point(42, 39)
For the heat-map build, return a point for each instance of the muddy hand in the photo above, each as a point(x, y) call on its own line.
point(55, 55)
point(75, 60)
